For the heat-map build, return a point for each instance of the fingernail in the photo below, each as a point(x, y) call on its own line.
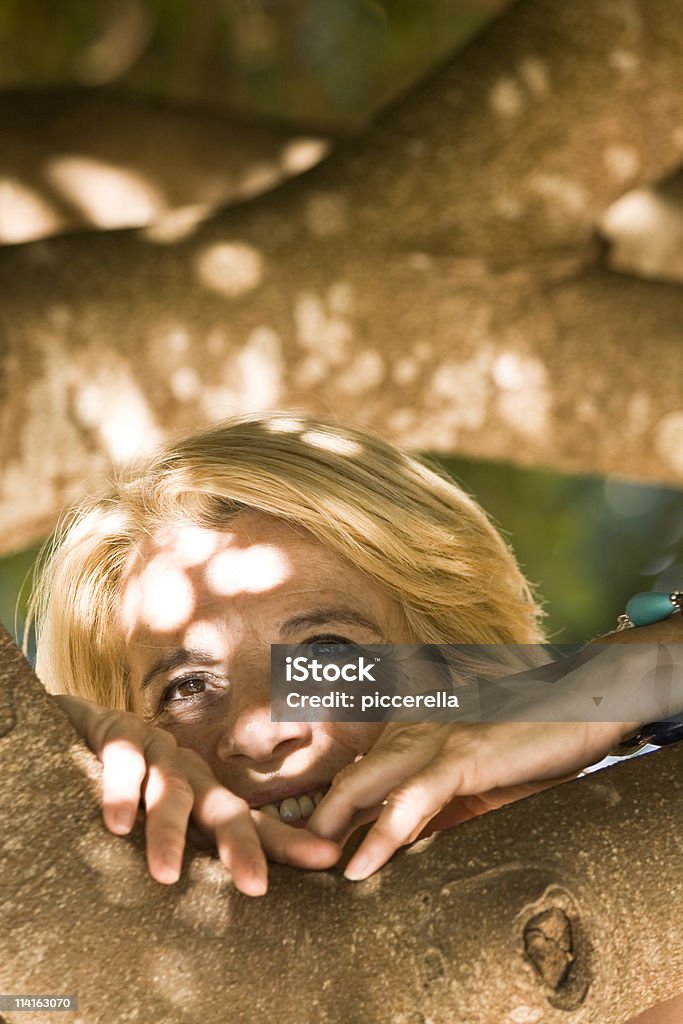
point(260, 877)
point(123, 822)
point(358, 868)
point(170, 868)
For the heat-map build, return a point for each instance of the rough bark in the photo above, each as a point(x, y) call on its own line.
point(560, 908)
point(439, 280)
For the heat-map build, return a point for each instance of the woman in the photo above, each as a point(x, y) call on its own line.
point(159, 602)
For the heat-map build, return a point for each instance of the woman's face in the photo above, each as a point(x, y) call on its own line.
point(200, 610)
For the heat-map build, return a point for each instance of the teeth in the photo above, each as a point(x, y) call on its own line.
point(294, 808)
point(290, 810)
point(306, 806)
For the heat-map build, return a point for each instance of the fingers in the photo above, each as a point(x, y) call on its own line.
point(294, 846)
point(399, 754)
point(227, 820)
point(408, 810)
point(168, 800)
point(142, 762)
point(124, 769)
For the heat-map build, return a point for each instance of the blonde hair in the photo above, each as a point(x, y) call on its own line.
point(415, 533)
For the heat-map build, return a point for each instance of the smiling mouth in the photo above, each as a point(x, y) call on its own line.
point(294, 808)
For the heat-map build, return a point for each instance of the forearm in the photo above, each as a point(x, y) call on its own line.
point(631, 677)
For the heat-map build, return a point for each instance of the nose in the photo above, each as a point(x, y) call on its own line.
point(249, 732)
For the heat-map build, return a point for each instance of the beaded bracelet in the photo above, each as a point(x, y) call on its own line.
point(644, 610)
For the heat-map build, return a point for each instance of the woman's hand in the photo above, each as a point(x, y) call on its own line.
point(142, 762)
point(416, 772)
point(444, 772)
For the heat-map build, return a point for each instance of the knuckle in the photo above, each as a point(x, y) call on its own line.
point(117, 725)
point(406, 798)
point(177, 786)
point(343, 782)
point(160, 739)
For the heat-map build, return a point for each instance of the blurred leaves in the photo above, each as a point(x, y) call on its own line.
point(328, 64)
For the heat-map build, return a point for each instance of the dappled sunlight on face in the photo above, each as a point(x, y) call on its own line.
point(162, 593)
point(250, 571)
point(200, 611)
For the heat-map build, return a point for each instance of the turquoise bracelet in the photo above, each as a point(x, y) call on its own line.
point(647, 608)
point(644, 610)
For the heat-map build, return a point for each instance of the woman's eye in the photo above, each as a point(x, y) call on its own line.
point(183, 689)
point(330, 645)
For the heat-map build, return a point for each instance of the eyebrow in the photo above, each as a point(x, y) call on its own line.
point(173, 659)
point(315, 617)
point(320, 616)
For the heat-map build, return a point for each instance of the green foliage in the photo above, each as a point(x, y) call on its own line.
point(326, 63)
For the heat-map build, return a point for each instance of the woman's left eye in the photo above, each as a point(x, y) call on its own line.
point(330, 645)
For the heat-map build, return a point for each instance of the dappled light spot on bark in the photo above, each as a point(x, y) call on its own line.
point(525, 1015)
point(230, 268)
point(507, 98)
point(464, 389)
point(260, 368)
point(320, 326)
point(405, 371)
point(534, 73)
point(118, 870)
point(114, 404)
point(250, 379)
point(622, 162)
point(669, 439)
point(645, 229)
point(185, 383)
point(625, 61)
point(108, 196)
point(176, 225)
point(523, 399)
point(368, 370)
point(566, 196)
point(301, 153)
point(24, 213)
point(260, 177)
point(507, 206)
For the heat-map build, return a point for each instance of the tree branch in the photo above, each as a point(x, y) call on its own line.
point(388, 284)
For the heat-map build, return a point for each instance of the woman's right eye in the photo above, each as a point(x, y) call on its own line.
point(184, 689)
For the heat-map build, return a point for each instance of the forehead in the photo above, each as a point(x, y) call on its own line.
point(183, 572)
